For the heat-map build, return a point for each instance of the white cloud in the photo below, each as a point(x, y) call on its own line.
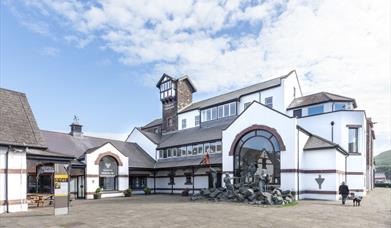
point(50, 51)
point(335, 45)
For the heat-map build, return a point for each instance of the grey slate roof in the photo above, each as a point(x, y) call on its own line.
point(76, 146)
point(234, 95)
point(318, 98)
point(155, 138)
point(206, 132)
point(316, 142)
point(153, 123)
point(17, 123)
point(188, 161)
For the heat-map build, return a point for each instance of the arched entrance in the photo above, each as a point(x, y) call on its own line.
point(256, 151)
point(108, 173)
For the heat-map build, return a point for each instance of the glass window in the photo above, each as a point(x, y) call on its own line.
point(197, 120)
point(246, 104)
point(160, 153)
point(189, 150)
point(164, 153)
point(214, 113)
point(233, 108)
point(203, 115)
point(208, 114)
point(195, 148)
point(212, 147)
point(174, 150)
point(353, 140)
point(168, 153)
point(200, 148)
point(218, 147)
point(221, 111)
point(206, 146)
point(269, 102)
point(183, 151)
point(188, 178)
point(178, 152)
point(297, 113)
point(315, 110)
point(108, 171)
point(339, 107)
point(183, 123)
point(226, 110)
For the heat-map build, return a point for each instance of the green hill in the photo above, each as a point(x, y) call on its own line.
point(383, 163)
point(383, 159)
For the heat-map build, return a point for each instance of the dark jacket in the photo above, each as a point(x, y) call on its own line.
point(343, 190)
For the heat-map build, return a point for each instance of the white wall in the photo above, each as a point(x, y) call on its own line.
point(146, 144)
point(248, 98)
point(190, 119)
point(289, 85)
point(258, 114)
point(16, 180)
point(278, 98)
point(92, 170)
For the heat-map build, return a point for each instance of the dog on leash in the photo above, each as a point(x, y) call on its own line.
point(357, 201)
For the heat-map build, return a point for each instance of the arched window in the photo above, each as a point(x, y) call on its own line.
point(108, 173)
point(260, 149)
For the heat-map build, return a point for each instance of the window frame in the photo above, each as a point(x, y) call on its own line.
point(354, 147)
point(314, 107)
point(269, 101)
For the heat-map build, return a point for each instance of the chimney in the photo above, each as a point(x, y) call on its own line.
point(76, 128)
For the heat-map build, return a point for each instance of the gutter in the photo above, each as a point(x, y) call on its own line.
point(6, 179)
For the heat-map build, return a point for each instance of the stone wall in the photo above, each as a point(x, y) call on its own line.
point(184, 94)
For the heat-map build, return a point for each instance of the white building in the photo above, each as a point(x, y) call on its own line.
point(306, 144)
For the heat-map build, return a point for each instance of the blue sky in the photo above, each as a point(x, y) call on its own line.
point(100, 59)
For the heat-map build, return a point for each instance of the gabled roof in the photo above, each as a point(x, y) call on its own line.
point(318, 98)
point(153, 123)
point(316, 142)
point(235, 95)
point(185, 78)
point(17, 123)
point(206, 132)
point(76, 146)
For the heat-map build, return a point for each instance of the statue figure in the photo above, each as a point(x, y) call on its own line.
point(262, 182)
point(252, 169)
point(213, 173)
point(227, 182)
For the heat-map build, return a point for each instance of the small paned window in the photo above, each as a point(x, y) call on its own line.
point(232, 108)
point(197, 120)
point(246, 104)
point(297, 113)
point(269, 102)
point(188, 178)
point(315, 110)
point(183, 123)
point(353, 140)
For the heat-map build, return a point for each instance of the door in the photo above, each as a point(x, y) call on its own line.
point(80, 187)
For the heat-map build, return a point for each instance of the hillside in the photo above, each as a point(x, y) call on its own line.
point(383, 163)
point(383, 159)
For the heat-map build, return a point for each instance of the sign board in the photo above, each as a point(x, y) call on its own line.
point(108, 167)
point(61, 190)
point(46, 169)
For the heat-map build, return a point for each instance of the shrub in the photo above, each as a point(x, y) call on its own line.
point(98, 193)
point(128, 192)
point(98, 190)
point(147, 191)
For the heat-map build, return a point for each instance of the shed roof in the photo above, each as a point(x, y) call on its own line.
point(17, 123)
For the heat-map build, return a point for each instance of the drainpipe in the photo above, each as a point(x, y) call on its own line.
point(332, 131)
point(6, 179)
point(298, 166)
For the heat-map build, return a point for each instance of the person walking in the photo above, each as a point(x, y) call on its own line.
point(344, 191)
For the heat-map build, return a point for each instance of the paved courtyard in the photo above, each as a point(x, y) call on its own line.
point(176, 211)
